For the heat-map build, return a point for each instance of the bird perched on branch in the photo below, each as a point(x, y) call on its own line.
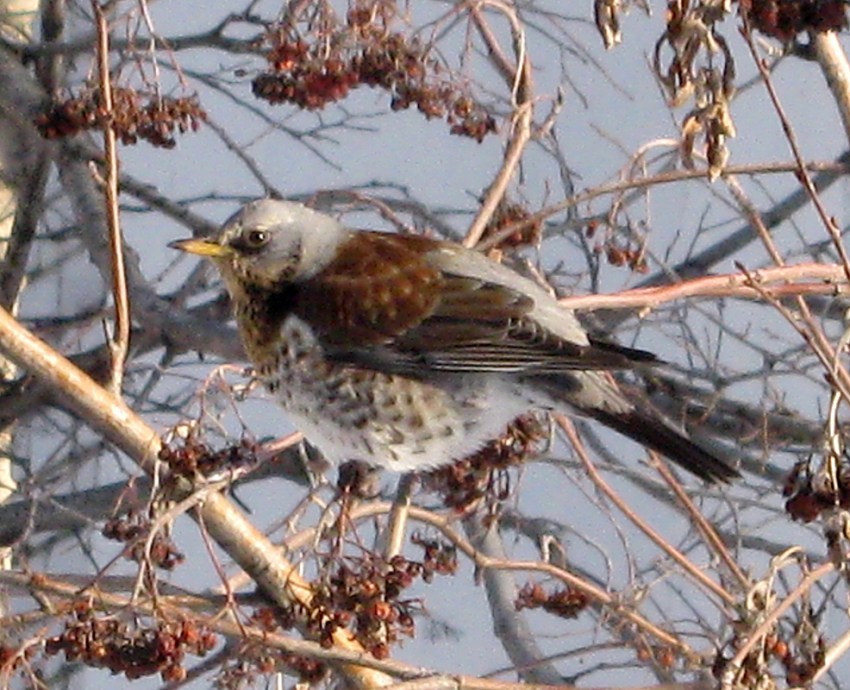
point(410, 353)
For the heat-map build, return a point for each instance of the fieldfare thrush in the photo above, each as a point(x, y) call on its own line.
point(409, 353)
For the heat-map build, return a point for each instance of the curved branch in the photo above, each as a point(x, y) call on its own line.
point(109, 415)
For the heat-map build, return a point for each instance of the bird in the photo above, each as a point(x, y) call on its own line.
point(409, 353)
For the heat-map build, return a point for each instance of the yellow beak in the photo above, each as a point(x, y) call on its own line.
point(207, 248)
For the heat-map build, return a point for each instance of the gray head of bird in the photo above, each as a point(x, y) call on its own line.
point(270, 242)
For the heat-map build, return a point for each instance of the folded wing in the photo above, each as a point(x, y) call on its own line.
point(396, 305)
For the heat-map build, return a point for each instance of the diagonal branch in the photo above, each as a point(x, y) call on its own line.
point(109, 415)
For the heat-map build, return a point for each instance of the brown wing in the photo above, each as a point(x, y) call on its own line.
point(384, 303)
point(483, 326)
point(375, 290)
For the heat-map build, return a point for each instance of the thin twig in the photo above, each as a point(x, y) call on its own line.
point(808, 328)
point(802, 173)
point(709, 534)
point(521, 121)
point(569, 430)
point(398, 516)
point(770, 619)
point(828, 174)
point(725, 285)
point(120, 340)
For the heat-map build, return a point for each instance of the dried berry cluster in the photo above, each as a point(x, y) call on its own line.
point(482, 475)
point(133, 530)
point(194, 458)
point(616, 253)
point(664, 656)
point(694, 63)
point(437, 557)
point(785, 19)
point(362, 596)
point(565, 602)
point(619, 255)
point(134, 116)
point(253, 662)
point(810, 494)
point(800, 667)
point(310, 83)
point(15, 659)
point(366, 52)
point(513, 214)
point(129, 647)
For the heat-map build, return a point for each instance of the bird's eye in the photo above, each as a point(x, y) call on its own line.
point(255, 239)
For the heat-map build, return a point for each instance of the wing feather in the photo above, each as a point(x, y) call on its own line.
point(387, 303)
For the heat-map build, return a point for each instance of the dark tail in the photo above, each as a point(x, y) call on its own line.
point(663, 437)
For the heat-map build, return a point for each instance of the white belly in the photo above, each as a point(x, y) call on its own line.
point(386, 420)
